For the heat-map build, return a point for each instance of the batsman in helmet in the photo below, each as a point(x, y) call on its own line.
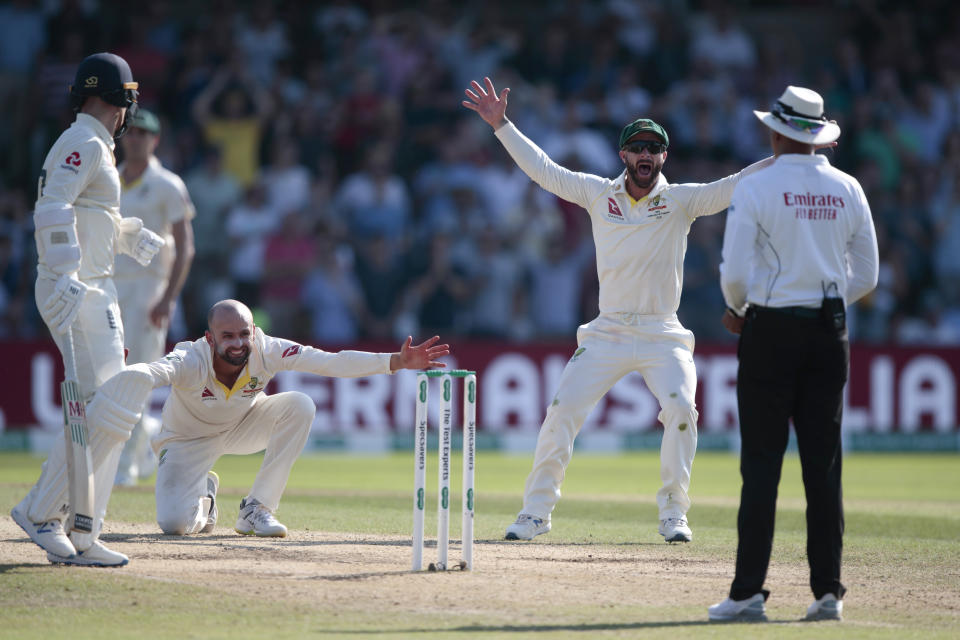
point(79, 231)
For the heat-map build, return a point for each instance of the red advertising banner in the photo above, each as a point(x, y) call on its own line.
point(891, 390)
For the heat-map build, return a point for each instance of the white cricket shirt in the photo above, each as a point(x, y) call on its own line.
point(792, 229)
point(160, 199)
point(200, 405)
point(640, 244)
point(80, 171)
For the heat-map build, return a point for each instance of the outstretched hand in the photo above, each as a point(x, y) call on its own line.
point(484, 101)
point(421, 356)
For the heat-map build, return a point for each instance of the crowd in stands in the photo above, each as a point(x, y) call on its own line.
point(343, 192)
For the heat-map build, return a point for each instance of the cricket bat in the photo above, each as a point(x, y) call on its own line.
point(79, 461)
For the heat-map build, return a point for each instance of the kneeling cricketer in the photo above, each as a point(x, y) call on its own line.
point(217, 406)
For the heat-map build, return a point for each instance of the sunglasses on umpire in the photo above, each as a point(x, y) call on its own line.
point(651, 146)
point(796, 121)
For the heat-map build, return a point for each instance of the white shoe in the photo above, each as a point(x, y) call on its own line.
point(96, 556)
point(826, 608)
point(256, 520)
point(527, 527)
point(49, 535)
point(676, 530)
point(213, 484)
point(752, 609)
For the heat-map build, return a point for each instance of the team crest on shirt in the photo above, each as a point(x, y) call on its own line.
point(72, 162)
point(252, 388)
point(613, 209)
point(657, 207)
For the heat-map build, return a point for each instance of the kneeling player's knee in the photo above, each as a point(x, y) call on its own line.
point(177, 522)
point(301, 406)
point(173, 526)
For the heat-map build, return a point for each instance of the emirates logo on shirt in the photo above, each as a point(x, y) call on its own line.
point(207, 394)
point(291, 351)
point(613, 209)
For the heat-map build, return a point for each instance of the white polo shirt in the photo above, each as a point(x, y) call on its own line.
point(80, 172)
point(160, 199)
point(200, 405)
point(794, 228)
point(640, 244)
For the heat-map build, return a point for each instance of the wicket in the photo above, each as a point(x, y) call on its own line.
point(443, 473)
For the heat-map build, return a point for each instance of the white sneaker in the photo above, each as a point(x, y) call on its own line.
point(213, 484)
point(676, 530)
point(96, 556)
point(49, 535)
point(256, 520)
point(527, 527)
point(752, 609)
point(826, 608)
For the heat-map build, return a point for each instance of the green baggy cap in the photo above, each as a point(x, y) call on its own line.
point(145, 120)
point(643, 124)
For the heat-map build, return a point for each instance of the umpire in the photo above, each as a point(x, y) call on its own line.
point(799, 246)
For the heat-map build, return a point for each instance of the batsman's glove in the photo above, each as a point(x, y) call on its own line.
point(61, 308)
point(138, 242)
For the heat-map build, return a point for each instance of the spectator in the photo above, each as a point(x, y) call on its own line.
point(230, 112)
point(289, 254)
point(381, 278)
point(286, 180)
point(249, 224)
point(331, 294)
point(375, 200)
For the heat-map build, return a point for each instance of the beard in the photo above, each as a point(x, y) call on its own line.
point(645, 180)
point(235, 360)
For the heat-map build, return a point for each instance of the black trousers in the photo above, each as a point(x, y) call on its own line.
point(791, 366)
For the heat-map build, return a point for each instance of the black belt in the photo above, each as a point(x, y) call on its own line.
point(811, 313)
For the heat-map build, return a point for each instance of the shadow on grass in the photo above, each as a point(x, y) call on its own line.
point(546, 628)
point(401, 542)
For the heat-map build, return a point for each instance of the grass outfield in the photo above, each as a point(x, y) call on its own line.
point(901, 557)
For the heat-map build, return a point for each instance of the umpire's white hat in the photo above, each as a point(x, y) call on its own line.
point(798, 115)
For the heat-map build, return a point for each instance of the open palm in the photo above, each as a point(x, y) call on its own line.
point(485, 101)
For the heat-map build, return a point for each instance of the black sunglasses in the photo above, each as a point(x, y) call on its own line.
point(652, 146)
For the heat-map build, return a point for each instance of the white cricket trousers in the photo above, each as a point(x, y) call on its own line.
point(145, 342)
point(278, 425)
point(98, 353)
point(610, 347)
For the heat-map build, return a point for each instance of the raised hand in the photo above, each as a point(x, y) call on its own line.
point(421, 356)
point(484, 101)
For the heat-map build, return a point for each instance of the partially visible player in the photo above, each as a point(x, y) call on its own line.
point(148, 294)
point(217, 406)
point(79, 230)
point(640, 224)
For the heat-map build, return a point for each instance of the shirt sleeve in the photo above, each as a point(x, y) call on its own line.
point(286, 355)
point(70, 175)
point(713, 197)
point(739, 243)
point(178, 204)
point(179, 368)
point(579, 188)
point(863, 260)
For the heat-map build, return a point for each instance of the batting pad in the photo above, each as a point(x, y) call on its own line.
point(111, 415)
